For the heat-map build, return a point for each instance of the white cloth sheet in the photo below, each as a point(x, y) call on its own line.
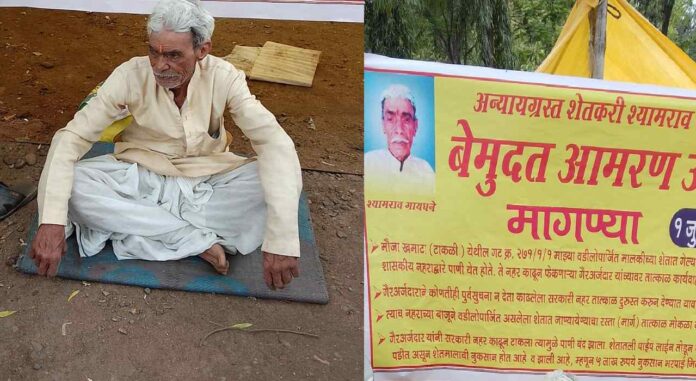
point(154, 217)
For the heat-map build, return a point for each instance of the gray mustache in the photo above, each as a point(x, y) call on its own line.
point(166, 75)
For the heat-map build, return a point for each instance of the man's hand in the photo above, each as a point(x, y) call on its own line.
point(278, 270)
point(48, 247)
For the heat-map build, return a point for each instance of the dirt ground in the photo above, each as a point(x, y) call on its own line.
point(49, 61)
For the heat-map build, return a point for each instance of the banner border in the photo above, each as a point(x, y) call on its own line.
point(368, 68)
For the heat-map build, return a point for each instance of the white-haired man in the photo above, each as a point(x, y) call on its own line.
point(171, 189)
point(395, 169)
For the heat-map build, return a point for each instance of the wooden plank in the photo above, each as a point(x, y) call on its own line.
point(285, 64)
point(598, 39)
point(243, 57)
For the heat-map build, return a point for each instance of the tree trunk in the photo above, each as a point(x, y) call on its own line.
point(667, 7)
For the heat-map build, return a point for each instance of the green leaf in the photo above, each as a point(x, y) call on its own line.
point(6, 313)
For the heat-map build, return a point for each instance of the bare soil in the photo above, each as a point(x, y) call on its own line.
point(49, 61)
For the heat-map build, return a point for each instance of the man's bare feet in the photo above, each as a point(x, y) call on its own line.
point(216, 257)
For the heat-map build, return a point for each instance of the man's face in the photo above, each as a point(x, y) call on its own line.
point(172, 57)
point(399, 124)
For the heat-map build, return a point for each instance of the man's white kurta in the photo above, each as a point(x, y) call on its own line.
point(385, 174)
point(188, 143)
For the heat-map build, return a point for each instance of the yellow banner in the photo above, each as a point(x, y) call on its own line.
point(517, 226)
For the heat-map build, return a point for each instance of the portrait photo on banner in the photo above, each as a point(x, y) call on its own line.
point(399, 134)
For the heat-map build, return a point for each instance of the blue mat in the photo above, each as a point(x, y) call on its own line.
point(245, 277)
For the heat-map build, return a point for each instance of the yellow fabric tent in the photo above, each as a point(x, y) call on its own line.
point(635, 50)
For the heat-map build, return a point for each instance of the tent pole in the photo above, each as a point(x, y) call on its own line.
point(598, 40)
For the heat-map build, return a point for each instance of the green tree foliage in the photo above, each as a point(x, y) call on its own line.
point(675, 18)
point(682, 29)
point(536, 25)
point(454, 31)
point(388, 28)
point(450, 28)
point(513, 34)
point(473, 31)
point(659, 12)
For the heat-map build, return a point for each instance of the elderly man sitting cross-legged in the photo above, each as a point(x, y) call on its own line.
point(171, 189)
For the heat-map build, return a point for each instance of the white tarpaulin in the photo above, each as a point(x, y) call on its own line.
point(307, 10)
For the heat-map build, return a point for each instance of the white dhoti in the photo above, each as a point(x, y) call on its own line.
point(154, 217)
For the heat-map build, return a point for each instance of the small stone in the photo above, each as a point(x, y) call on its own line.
point(38, 54)
point(114, 318)
point(20, 229)
point(122, 331)
point(37, 366)
point(20, 163)
point(37, 356)
point(346, 309)
point(341, 234)
point(147, 291)
point(8, 160)
point(130, 321)
point(311, 124)
point(30, 158)
point(327, 203)
point(105, 293)
point(47, 65)
point(123, 303)
point(36, 346)
point(133, 311)
point(12, 260)
point(285, 343)
point(350, 289)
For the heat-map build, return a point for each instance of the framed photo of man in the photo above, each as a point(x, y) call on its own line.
point(399, 134)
